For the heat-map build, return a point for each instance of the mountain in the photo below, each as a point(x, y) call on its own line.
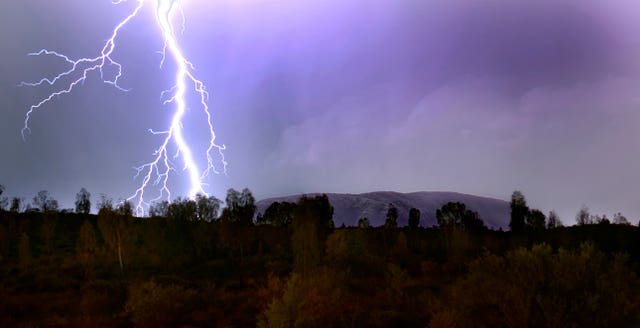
point(348, 208)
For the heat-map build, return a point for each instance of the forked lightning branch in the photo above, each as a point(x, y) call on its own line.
point(155, 174)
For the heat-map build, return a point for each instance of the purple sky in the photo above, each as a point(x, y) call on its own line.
point(480, 97)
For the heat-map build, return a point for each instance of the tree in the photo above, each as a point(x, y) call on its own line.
point(553, 220)
point(618, 218)
point(115, 225)
point(207, 207)
point(160, 209)
point(83, 201)
point(240, 207)
point(4, 201)
point(519, 211)
point(414, 218)
point(391, 221)
point(364, 223)
point(182, 209)
point(44, 202)
point(454, 215)
point(583, 217)
point(312, 223)
point(279, 214)
point(536, 220)
point(16, 203)
point(87, 247)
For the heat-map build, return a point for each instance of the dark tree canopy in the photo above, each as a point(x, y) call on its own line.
point(159, 209)
point(279, 214)
point(240, 207)
point(391, 221)
point(44, 202)
point(519, 211)
point(536, 220)
point(553, 221)
point(207, 207)
point(414, 218)
point(456, 215)
point(583, 217)
point(83, 201)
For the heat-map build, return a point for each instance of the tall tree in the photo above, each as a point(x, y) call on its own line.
point(4, 201)
point(115, 225)
point(391, 222)
point(583, 217)
point(16, 204)
point(536, 220)
point(312, 223)
point(87, 247)
point(83, 201)
point(414, 218)
point(553, 221)
point(519, 211)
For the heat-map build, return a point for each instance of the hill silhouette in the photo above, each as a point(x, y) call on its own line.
point(348, 208)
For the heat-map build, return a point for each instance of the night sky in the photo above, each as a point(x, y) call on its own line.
point(480, 97)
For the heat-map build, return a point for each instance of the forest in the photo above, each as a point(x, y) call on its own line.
point(194, 263)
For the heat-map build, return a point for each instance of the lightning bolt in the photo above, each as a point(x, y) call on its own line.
point(157, 171)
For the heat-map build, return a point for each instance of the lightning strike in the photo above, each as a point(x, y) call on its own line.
point(157, 171)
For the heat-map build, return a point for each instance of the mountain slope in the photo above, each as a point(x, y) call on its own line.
point(348, 208)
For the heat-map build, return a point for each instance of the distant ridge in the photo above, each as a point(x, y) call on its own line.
point(348, 208)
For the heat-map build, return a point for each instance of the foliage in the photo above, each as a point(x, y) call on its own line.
point(44, 202)
point(279, 214)
point(583, 217)
point(307, 301)
point(152, 304)
point(530, 288)
point(83, 201)
point(87, 247)
point(553, 220)
point(414, 218)
point(391, 221)
point(519, 211)
point(456, 215)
